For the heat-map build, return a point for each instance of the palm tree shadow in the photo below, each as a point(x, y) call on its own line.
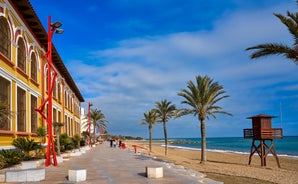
point(221, 162)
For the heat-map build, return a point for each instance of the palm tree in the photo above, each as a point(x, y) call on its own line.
point(85, 135)
point(57, 128)
point(164, 111)
point(150, 120)
point(291, 22)
point(202, 98)
point(98, 120)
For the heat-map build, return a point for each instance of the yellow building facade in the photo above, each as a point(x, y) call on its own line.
point(23, 76)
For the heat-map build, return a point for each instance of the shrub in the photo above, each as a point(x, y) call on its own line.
point(82, 142)
point(2, 161)
point(66, 142)
point(12, 157)
point(76, 140)
point(26, 145)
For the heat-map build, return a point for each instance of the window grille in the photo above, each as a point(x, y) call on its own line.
point(33, 67)
point(5, 100)
point(5, 38)
point(33, 114)
point(21, 111)
point(21, 55)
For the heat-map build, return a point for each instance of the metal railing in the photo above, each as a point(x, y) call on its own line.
point(263, 133)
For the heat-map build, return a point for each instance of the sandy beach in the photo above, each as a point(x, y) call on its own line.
point(229, 167)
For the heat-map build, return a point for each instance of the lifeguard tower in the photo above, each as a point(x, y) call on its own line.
point(260, 132)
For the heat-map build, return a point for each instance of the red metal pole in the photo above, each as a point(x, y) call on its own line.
point(50, 86)
point(89, 124)
point(51, 146)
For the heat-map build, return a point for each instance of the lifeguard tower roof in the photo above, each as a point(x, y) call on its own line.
point(261, 116)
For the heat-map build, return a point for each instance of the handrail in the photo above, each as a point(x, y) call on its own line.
point(138, 146)
point(263, 133)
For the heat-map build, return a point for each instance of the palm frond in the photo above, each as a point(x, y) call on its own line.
point(202, 98)
point(273, 49)
point(262, 50)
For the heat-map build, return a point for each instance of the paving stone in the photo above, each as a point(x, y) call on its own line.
point(118, 166)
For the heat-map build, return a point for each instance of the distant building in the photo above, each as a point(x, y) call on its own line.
point(84, 119)
point(23, 79)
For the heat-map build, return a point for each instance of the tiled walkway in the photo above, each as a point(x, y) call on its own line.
point(107, 165)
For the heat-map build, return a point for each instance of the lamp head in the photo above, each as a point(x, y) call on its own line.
point(59, 31)
point(56, 24)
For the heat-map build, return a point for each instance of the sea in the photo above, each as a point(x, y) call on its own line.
point(287, 146)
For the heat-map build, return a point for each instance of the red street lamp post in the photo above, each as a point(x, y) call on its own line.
point(89, 124)
point(51, 77)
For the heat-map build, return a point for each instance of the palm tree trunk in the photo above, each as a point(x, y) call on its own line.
point(58, 144)
point(203, 144)
point(166, 137)
point(150, 139)
point(93, 134)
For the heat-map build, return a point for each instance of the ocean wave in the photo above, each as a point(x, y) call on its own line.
point(223, 151)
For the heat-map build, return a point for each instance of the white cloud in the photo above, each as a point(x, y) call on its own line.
point(143, 70)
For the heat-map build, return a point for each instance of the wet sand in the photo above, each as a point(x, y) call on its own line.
point(229, 167)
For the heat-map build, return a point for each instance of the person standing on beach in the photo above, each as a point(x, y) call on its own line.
point(111, 142)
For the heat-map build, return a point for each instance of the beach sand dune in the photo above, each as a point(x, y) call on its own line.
point(229, 167)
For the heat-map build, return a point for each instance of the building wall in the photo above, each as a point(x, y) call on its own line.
point(22, 88)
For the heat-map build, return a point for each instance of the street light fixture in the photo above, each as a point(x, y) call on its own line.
point(89, 124)
point(56, 24)
point(59, 31)
point(50, 86)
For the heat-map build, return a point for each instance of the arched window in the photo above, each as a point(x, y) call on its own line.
point(5, 104)
point(21, 111)
point(45, 76)
point(33, 67)
point(55, 90)
point(33, 114)
point(59, 92)
point(5, 38)
point(21, 55)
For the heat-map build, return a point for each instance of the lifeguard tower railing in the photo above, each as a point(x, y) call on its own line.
point(273, 133)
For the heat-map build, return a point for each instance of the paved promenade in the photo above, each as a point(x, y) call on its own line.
point(107, 165)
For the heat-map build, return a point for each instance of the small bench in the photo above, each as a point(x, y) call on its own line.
point(154, 171)
point(77, 175)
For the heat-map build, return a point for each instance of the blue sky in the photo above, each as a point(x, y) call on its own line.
point(124, 55)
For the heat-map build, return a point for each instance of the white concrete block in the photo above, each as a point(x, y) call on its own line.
point(77, 175)
point(86, 148)
point(28, 165)
point(15, 176)
point(2, 178)
point(75, 154)
point(36, 174)
point(40, 162)
point(25, 175)
point(154, 172)
point(67, 155)
point(59, 159)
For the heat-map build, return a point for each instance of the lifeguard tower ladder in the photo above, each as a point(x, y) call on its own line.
point(260, 132)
